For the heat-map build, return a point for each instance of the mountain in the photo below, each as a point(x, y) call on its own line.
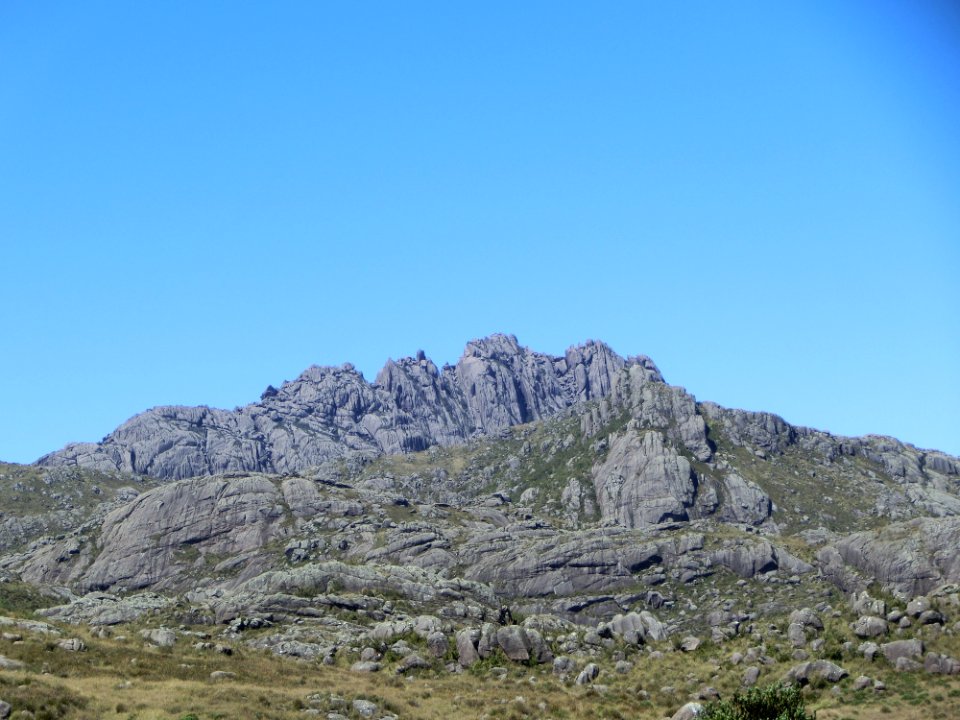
point(613, 516)
point(328, 412)
point(661, 466)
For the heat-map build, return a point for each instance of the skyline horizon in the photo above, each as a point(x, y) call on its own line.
point(198, 200)
point(369, 376)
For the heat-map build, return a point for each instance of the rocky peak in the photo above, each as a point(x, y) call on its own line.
point(328, 412)
point(496, 347)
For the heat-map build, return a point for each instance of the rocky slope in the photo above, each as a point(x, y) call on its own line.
point(582, 492)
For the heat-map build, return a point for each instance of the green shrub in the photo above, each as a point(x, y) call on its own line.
point(773, 702)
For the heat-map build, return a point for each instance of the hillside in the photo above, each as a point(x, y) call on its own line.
point(516, 514)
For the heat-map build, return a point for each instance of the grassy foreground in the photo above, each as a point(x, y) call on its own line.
point(125, 678)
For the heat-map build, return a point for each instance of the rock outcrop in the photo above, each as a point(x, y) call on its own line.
point(329, 412)
point(644, 481)
point(910, 558)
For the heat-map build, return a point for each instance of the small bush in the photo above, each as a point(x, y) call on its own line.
point(773, 702)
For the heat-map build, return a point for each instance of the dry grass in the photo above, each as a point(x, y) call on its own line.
point(126, 679)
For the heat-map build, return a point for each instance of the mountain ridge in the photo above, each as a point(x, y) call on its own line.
point(614, 513)
point(331, 411)
point(328, 411)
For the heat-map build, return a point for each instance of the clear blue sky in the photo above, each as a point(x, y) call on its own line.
point(198, 199)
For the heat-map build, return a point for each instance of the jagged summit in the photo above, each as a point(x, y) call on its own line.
point(327, 412)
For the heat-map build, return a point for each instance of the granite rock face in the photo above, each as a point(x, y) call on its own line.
point(145, 542)
point(908, 480)
point(910, 558)
point(644, 481)
point(329, 412)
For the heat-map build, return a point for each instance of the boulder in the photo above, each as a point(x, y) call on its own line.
point(512, 639)
point(795, 634)
point(369, 654)
point(863, 604)
point(931, 617)
point(868, 626)
point(467, 653)
point(424, 625)
point(161, 637)
point(690, 711)
point(10, 664)
point(588, 674)
point(412, 662)
point(364, 708)
point(807, 618)
point(72, 645)
point(902, 649)
point(539, 649)
point(814, 671)
point(905, 664)
point(941, 664)
point(918, 606)
point(437, 644)
point(365, 666)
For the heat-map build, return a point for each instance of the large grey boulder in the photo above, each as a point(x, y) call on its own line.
point(918, 606)
point(72, 645)
point(437, 644)
point(365, 708)
point(467, 641)
point(816, 670)
point(365, 666)
point(563, 665)
point(412, 662)
point(807, 618)
point(908, 649)
point(513, 641)
point(630, 628)
point(161, 637)
point(869, 627)
point(796, 635)
point(940, 664)
point(588, 674)
point(864, 604)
